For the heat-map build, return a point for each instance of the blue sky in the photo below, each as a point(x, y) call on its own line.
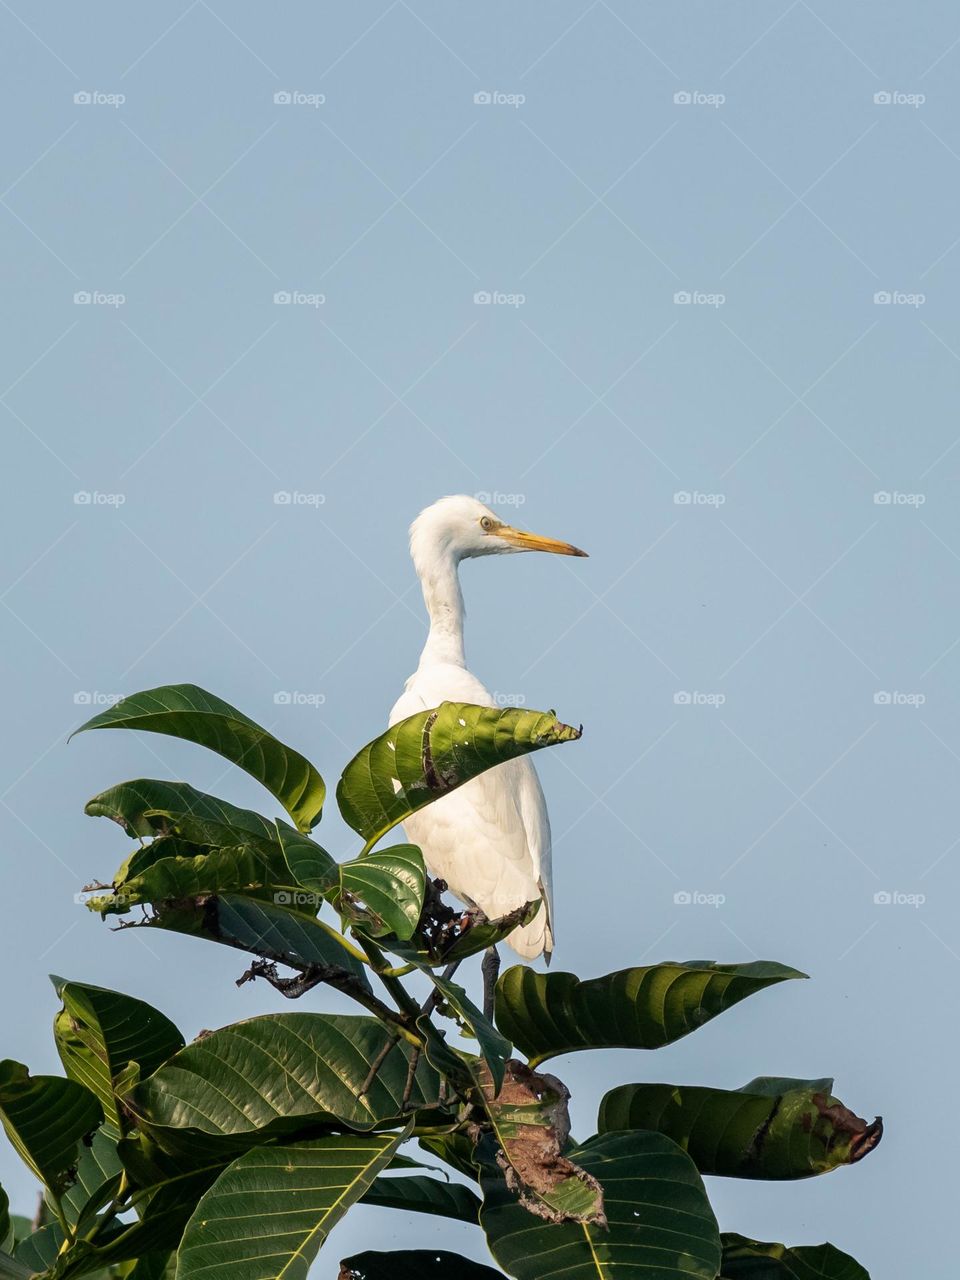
point(675, 282)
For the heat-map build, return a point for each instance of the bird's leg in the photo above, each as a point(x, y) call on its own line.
point(411, 1076)
point(490, 970)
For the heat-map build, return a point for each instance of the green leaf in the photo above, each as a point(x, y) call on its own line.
point(748, 1133)
point(206, 871)
point(271, 1075)
point(308, 864)
point(267, 1215)
point(415, 1264)
point(150, 807)
point(99, 1031)
point(188, 712)
point(45, 1117)
point(12, 1269)
point(454, 1149)
point(419, 1194)
point(389, 885)
point(97, 1169)
point(745, 1259)
point(660, 1224)
point(431, 754)
point(643, 1008)
point(6, 1226)
point(494, 1048)
point(276, 931)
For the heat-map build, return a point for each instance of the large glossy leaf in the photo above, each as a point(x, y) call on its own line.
point(238, 868)
point(768, 1129)
point(382, 893)
point(12, 1269)
point(431, 754)
point(745, 1259)
point(99, 1031)
point(96, 1171)
point(271, 1075)
point(267, 1215)
point(660, 1224)
point(414, 1264)
point(420, 1194)
point(45, 1117)
point(150, 807)
point(186, 711)
point(270, 929)
point(643, 1008)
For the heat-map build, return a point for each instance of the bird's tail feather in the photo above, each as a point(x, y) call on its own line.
point(533, 939)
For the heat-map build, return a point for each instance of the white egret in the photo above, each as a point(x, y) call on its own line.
point(490, 839)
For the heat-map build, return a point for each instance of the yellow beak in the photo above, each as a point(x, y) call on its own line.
point(524, 541)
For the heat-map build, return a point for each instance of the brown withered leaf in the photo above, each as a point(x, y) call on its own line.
point(531, 1122)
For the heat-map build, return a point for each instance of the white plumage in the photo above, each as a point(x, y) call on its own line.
point(489, 839)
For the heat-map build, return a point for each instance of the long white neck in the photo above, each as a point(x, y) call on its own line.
point(444, 600)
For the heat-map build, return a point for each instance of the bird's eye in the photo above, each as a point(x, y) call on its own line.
point(486, 523)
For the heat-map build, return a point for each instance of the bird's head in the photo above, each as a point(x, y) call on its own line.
point(462, 527)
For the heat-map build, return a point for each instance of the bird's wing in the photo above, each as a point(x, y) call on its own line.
point(501, 813)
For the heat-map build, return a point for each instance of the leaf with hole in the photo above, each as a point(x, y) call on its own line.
point(768, 1129)
point(431, 754)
